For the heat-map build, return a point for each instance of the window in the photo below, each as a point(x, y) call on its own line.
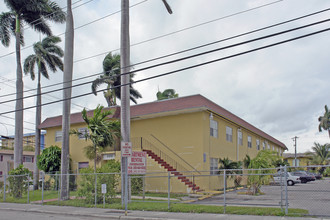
point(213, 166)
point(58, 136)
point(28, 159)
point(268, 147)
point(263, 145)
point(1, 157)
point(12, 157)
point(249, 142)
point(273, 147)
point(83, 165)
point(213, 128)
point(109, 156)
point(0, 173)
point(240, 138)
point(229, 134)
point(83, 132)
point(258, 144)
point(294, 162)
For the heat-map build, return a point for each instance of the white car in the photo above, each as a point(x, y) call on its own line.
point(291, 180)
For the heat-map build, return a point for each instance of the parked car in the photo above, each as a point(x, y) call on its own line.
point(304, 177)
point(316, 175)
point(291, 179)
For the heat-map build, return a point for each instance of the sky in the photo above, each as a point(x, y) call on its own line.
point(281, 90)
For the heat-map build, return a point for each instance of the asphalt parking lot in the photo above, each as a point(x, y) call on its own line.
point(313, 196)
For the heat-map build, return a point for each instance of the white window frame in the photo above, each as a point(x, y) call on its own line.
point(258, 144)
point(249, 142)
point(263, 145)
point(229, 134)
point(213, 128)
point(214, 163)
point(240, 138)
point(58, 136)
point(82, 132)
point(294, 162)
point(28, 159)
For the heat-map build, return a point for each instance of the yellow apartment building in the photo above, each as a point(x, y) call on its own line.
point(183, 136)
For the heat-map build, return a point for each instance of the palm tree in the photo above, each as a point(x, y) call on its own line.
point(34, 14)
point(167, 94)
point(46, 54)
point(325, 121)
point(320, 156)
point(102, 132)
point(67, 93)
point(111, 72)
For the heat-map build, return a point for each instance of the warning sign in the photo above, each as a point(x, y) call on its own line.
point(137, 163)
point(126, 149)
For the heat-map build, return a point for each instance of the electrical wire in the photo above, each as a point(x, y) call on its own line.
point(182, 69)
point(184, 58)
point(187, 50)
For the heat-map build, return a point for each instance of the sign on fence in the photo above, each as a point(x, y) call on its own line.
point(137, 163)
point(126, 149)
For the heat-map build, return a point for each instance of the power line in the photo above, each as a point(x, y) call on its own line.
point(187, 50)
point(23, 48)
point(182, 69)
point(184, 58)
point(14, 119)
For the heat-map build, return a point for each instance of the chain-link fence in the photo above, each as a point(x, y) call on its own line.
point(284, 187)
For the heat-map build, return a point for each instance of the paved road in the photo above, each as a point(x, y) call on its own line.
point(39, 212)
point(313, 196)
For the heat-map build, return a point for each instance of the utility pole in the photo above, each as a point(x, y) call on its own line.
point(295, 150)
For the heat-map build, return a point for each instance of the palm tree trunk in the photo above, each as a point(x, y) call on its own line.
point(37, 135)
point(125, 93)
point(18, 143)
point(67, 82)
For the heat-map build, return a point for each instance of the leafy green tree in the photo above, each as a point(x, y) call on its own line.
point(110, 177)
point(325, 121)
point(111, 77)
point(231, 167)
point(35, 14)
point(265, 159)
point(167, 94)
point(46, 54)
point(321, 155)
point(102, 132)
point(50, 159)
point(19, 181)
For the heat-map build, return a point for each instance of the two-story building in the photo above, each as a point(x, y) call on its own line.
point(189, 134)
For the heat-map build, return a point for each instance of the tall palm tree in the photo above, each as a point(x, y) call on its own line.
point(46, 54)
point(67, 93)
point(35, 14)
point(167, 94)
point(111, 72)
point(325, 120)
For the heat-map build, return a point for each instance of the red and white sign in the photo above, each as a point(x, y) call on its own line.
point(137, 163)
point(126, 149)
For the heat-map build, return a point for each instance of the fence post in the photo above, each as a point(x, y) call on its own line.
point(281, 182)
point(144, 184)
point(4, 188)
point(95, 189)
point(286, 190)
point(169, 191)
point(224, 191)
point(42, 187)
point(28, 192)
point(193, 183)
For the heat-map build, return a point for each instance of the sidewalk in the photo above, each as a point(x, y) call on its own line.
point(97, 213)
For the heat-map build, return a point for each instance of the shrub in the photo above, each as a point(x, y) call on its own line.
point(86, 187)
point(18, 181)
point(137, 184)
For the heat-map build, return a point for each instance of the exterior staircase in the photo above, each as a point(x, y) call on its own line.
point(173, 171)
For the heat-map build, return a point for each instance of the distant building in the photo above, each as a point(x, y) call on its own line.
point(28, 140)
point(7, 161)
point(302, 159)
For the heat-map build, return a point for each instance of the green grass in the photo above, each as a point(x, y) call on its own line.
point(35, 195)
point(187, 208)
